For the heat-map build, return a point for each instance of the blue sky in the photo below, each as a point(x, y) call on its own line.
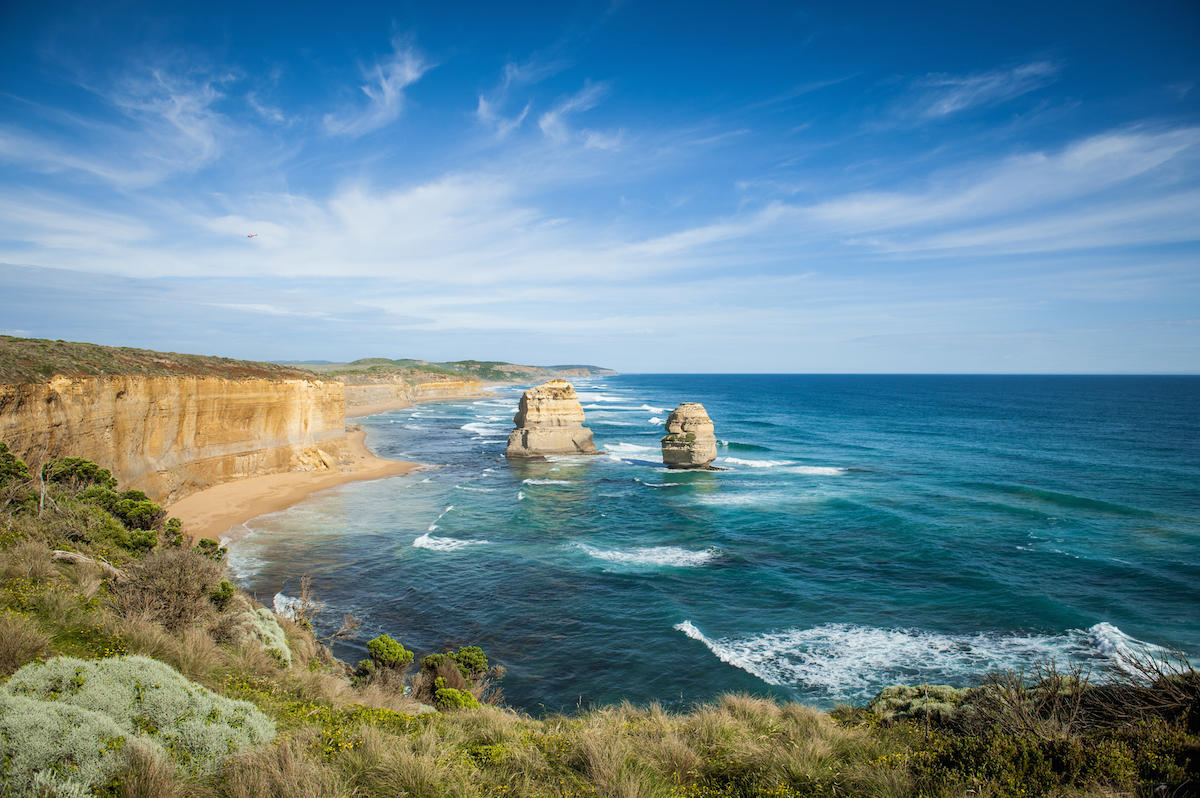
point(851, 187)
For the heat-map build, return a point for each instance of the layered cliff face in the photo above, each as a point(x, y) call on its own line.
point(173, 435)
point(365, 394)
point(549, 420)
point(690, 441)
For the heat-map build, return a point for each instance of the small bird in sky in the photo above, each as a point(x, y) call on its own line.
point(252, 235)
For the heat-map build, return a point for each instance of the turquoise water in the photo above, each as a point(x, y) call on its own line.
point(867, 530)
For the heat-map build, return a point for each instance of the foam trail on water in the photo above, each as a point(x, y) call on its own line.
point(653, 555)
point(547, 482)
point(819, 471)
point(432, 543)
point(476, 490)
point(849, 661)
point(755, 463)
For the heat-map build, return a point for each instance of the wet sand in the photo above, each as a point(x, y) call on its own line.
point(210, 513)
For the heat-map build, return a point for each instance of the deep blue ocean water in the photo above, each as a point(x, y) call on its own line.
point(868, 530)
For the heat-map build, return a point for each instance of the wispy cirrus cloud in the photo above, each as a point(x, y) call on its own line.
point(940, 95)
point(553, 123)
point(385, 90)
point(159, 121)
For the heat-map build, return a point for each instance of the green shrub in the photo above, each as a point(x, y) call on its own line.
point(11, 468)
point(471, 661)
point(447, 698)
point(56, 748)
point(138, 513)
point(148, 699)
point(78, 473)
point(211, 549)
point(222, 594)
point(431, 663)
point(387, 653)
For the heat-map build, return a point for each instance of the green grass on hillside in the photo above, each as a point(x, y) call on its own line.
point(34, 360)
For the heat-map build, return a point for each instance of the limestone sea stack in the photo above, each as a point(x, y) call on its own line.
point(550, 421)
point(689, 442)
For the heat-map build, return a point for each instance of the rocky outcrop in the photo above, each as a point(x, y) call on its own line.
point(173, 435)
point(689, 442)
point(550, 421)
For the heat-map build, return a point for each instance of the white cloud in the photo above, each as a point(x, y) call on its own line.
point(165, 124)
point(386, 82)
point(943, 95)
point(554, 122)
point(487, 114)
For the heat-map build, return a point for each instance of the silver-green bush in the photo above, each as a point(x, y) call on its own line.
point(148, 699)
point(261, 625)
point(56, 748)
point(939, 703)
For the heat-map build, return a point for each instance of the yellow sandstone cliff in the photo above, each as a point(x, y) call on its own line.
point(173, 435)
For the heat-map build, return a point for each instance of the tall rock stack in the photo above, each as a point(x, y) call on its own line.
point(550, 421)
point(690, 441)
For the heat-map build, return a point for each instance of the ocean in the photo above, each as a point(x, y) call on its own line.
point(866, 531)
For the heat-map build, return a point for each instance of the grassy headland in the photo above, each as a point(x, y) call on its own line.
point(130, 665)
point(34, 360)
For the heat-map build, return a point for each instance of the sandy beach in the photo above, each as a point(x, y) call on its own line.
point(212, 511)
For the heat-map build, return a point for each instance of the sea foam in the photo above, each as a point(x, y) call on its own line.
point(547, 482)
point(851, 661)
point(428, 541)
point(653, 555)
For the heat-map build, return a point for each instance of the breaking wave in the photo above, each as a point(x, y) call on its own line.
point(432, 543)
point(547, 482)
point(653, 555)
point(848, 661)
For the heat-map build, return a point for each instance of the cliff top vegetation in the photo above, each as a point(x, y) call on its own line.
point(35, 360)
point(129, 666)
point(486, 370)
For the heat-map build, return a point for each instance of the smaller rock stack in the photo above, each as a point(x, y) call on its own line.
point(549, 421)
point(689, 442)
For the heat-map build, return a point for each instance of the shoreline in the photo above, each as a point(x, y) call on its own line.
point(212, 512)
point(375, 408)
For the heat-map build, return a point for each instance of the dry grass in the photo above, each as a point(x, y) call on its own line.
point(171, 586)
point(20, 642)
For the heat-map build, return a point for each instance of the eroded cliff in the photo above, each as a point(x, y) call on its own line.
point(172, 435)
point(371, 394)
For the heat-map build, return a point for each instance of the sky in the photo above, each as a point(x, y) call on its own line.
point(649, 186)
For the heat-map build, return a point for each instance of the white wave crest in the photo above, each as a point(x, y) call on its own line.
point(520, 495)
point(653, 555)
point(755, 463)
point(433, 527)
point(653, 409)
point(818, 471)
point(632, 448)
point(851, 661)
point(476, 490)
point(432, 543)
point(286, 606)
point(479, 428)
point(547, 482)
point(656, 421)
